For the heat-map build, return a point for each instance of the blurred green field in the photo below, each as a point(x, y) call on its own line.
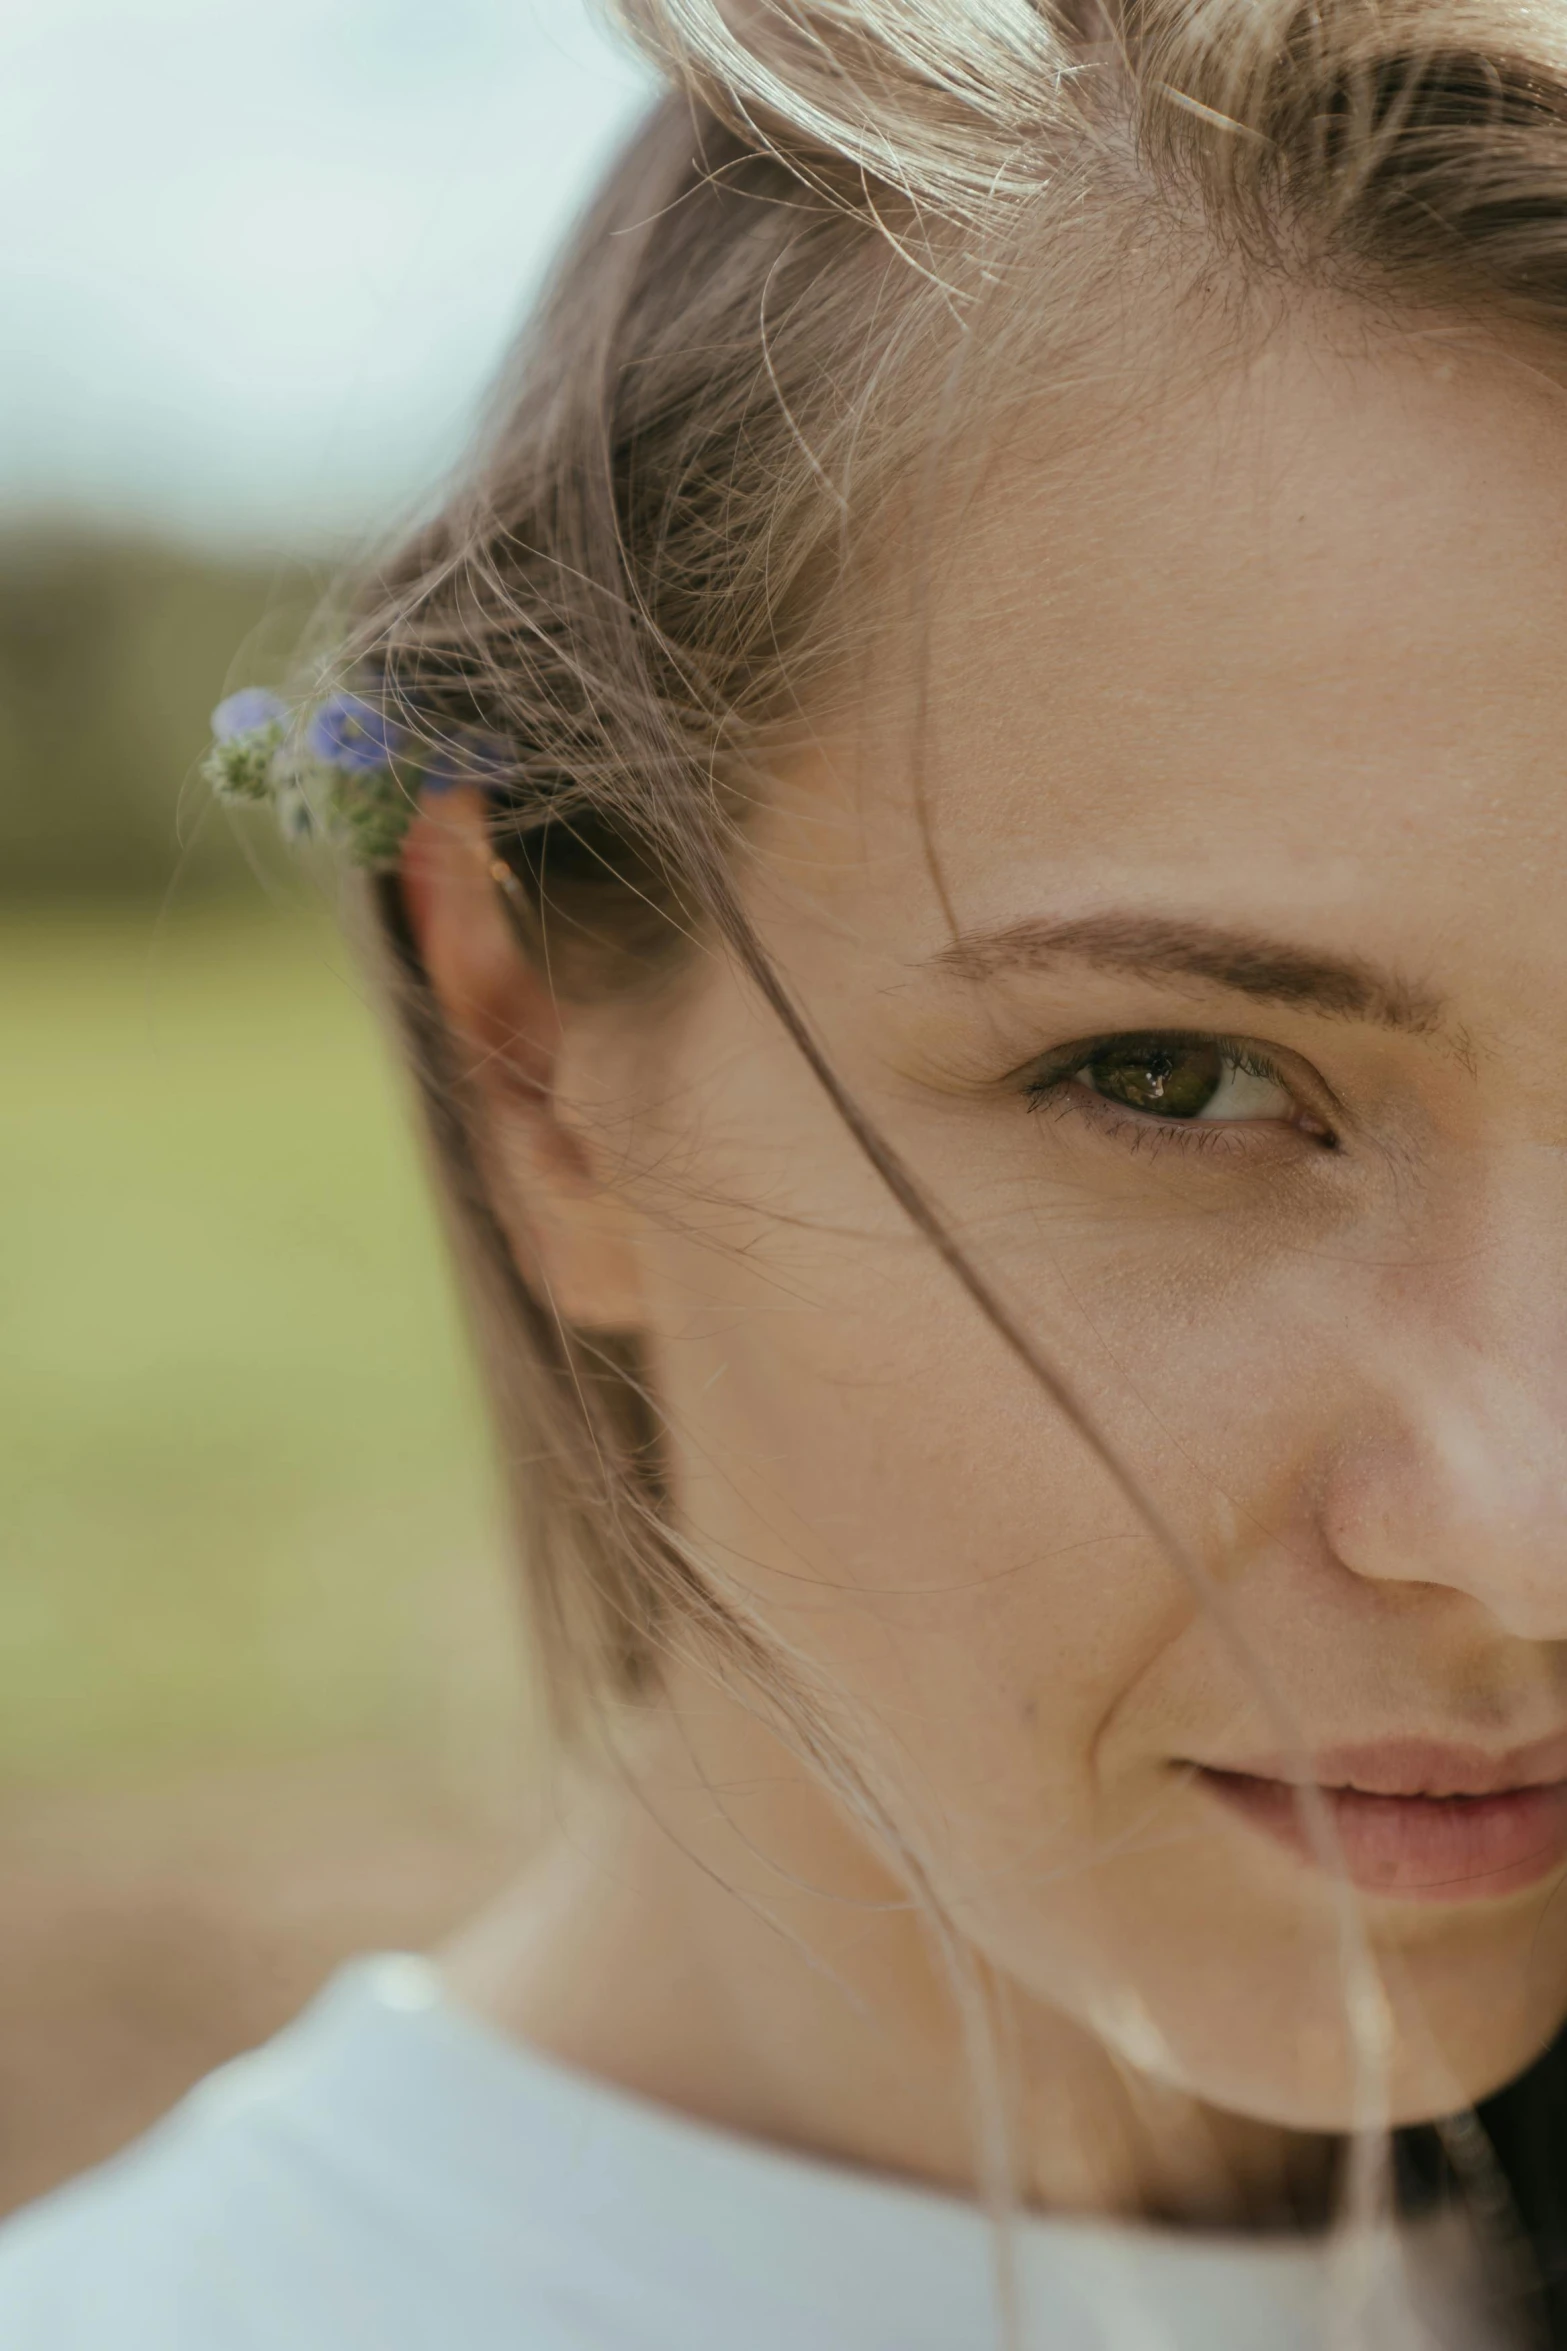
point(243, 1494)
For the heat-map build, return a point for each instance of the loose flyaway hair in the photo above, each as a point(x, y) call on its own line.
point(849, 231)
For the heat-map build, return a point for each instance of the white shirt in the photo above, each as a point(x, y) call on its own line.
point(392, 2175)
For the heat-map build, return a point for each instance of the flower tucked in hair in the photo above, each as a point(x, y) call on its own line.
point(243, 713)
point(350, 733)
point(465, 757)
point(248, 731)
point(348, 771)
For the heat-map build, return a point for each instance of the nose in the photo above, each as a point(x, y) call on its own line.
point(1452, 1470)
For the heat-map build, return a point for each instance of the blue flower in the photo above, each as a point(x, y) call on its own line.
point(467, 758)
point(247, 712)
point(352, 734)
point(248, 731)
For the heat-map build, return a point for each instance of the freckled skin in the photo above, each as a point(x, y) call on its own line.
point(1286, 662)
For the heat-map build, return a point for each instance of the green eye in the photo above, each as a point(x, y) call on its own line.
point(1185, 1079)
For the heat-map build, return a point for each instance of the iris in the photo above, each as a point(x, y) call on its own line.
point(1174, 1080)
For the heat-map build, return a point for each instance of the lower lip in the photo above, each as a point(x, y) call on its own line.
point(1416, 1848)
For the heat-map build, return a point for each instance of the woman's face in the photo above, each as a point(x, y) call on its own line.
point(1220, 1004)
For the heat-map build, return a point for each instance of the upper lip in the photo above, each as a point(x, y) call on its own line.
point(1409, 1767)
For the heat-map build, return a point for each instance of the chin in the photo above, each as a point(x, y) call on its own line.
point(1456, 2025)
point(1236, 1993)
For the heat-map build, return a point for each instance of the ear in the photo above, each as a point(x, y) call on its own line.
point(572, 1235)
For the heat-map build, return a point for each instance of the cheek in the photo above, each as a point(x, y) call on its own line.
point(866, 1459)
point(895, 1499)
point(856, 1447)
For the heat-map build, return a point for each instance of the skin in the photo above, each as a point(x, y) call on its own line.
point(1285, 662)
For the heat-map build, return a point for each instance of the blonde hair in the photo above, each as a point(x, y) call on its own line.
point(695, 452)
point(641, 572)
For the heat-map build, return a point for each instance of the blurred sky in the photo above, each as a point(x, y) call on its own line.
point(259, 255)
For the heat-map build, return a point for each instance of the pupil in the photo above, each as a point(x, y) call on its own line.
point(1171, 1081)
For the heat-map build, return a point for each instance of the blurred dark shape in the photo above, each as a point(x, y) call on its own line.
point(112, 655)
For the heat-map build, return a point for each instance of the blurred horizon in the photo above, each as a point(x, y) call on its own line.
point(260, 270)
point(263, 1682)
point(265, 271)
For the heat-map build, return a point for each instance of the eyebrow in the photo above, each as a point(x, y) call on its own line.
point(1161, 948)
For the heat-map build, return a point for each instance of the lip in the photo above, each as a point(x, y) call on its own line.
point(1417, 1820)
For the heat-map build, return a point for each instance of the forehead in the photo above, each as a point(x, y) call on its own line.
point(1298, 630)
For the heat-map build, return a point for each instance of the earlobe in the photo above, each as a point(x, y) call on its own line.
point(571, 1233)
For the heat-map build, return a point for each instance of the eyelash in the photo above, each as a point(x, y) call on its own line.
point(1048, 1085)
